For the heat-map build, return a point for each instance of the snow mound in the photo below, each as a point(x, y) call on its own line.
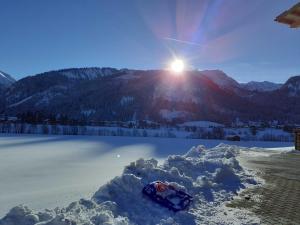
point(211, 176)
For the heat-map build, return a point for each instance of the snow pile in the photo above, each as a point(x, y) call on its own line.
point(211, 176)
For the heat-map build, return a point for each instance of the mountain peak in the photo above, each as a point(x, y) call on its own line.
point(263, 86)
point(220, 78)
point(293, 86)
point(6, 79)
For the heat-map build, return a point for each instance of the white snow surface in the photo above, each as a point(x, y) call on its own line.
point(212, 176)
point(49, 171)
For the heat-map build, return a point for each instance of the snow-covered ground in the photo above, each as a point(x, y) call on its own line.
point(191, 129)
point(49, 171)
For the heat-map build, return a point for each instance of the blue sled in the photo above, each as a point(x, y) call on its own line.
point(175, 200)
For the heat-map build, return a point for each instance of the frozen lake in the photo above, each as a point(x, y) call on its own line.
point(49, 171)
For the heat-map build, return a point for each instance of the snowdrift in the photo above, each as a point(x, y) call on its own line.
point(211, 176)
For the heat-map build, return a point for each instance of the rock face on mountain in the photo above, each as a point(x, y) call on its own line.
point(98, 94)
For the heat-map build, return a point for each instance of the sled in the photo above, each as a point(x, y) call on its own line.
point(167, 196)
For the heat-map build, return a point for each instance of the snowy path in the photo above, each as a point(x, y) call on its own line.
point(50, 171)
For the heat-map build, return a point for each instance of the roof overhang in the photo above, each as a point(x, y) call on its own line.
point(290, 17)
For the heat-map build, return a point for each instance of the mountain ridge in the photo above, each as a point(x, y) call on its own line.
point(261, 86)
point(123, 94)
point(6, 79)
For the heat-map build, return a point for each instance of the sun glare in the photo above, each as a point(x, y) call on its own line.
point(177, 66)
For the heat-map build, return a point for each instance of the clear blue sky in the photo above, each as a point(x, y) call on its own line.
point(237, 36)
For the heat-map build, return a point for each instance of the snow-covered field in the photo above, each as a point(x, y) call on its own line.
point(49, 171)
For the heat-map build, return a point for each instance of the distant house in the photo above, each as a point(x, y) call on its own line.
point(12, 118)
point(8, 118)
point(201, 124)
point(238, 123)
point(290, 17)
point(233, 138)
point(254, 124)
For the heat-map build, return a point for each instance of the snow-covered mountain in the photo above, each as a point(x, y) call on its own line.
point(261, 86)
point(6, 79)
point(292, 86)
point(98, 94)
point(220, 78)
point(88, 73)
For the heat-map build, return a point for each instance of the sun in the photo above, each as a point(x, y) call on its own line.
point(177, 66)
